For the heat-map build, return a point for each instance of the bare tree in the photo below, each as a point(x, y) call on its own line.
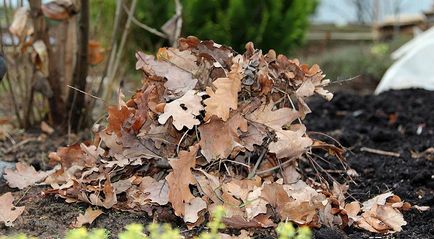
point(76, 100)
point(41, 33)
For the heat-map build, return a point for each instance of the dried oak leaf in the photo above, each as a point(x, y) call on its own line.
point(193, 208)
point(88, 217)
point(381, 216)
point(219, 139)
point(209, 186)
point(219, 54)
point(155, 191)
point(181, 178)
point(304, 204)
point(290, 143)
point(8, 212)
point(225, 97)
point(117, 117)
point(24, 176)
point(109, 199)
point(179, 81)
point(183, 111)
point(238, 222)
point(255, 203)
point(182, 59)
point(275, 195)
point(274, 119)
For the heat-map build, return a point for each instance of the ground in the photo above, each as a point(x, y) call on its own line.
point(396, 121)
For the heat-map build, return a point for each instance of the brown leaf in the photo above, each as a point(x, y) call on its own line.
point(274, 194)
point(391, 217)
point(290, 143)
point(209, 186)
point(381, 216)
point(109, 199)
point(238, 222)
point(183, 59)
point(20, 26)
point(25, 175)
point(193, 208)
point(303, 208)
point(88, 217)
point(241, 188)
point(95, 54)
point(179, 81)
point(254, 136)
point(255, 204)
point(219, 139)
point(273, 119)
point(352, 209)
point(225, 97)
point(156, 192)
point(117, 117)
point(8, 212)
point(181, 178)
point(46, 128)
point(183, 111)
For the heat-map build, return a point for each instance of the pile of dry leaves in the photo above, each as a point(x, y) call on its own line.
point(213, 127)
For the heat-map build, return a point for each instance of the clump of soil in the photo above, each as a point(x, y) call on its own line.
point(397, 121)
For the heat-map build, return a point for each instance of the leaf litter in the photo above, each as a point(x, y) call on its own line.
point(213, 127)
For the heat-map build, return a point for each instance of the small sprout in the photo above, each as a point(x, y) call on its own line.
point(285, 230)
point(304, 232)
point(133, 231)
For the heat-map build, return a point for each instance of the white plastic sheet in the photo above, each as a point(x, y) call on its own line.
point(414, 67)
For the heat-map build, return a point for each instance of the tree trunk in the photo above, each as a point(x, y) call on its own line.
point(57, 108)
point(76, 100)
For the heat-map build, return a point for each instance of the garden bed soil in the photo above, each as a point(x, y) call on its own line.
point(396, 121)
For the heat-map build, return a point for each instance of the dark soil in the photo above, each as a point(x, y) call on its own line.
point(397, 121)
point(389, 122)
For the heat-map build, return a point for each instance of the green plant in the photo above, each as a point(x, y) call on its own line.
point(165, 231)
point(287, 231)
point(215, 224)
point(83, 233)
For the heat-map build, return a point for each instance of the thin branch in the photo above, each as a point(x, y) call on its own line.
point(84, 92)
point(123, 40)
point(380, 152)
point(276, 167)
point(142, 25)
point(178, 21)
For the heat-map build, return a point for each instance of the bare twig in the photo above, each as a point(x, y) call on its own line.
point(178, 21)
point(180, 141)
point(276, 167)
point(258, 162)
point(380, 152)
point(18, 145)
point(142, 25)
point(113, 49)
point(121, 47)
point(24, 194)
point(84, 92)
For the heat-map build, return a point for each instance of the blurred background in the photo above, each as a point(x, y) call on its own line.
point(54, 49)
